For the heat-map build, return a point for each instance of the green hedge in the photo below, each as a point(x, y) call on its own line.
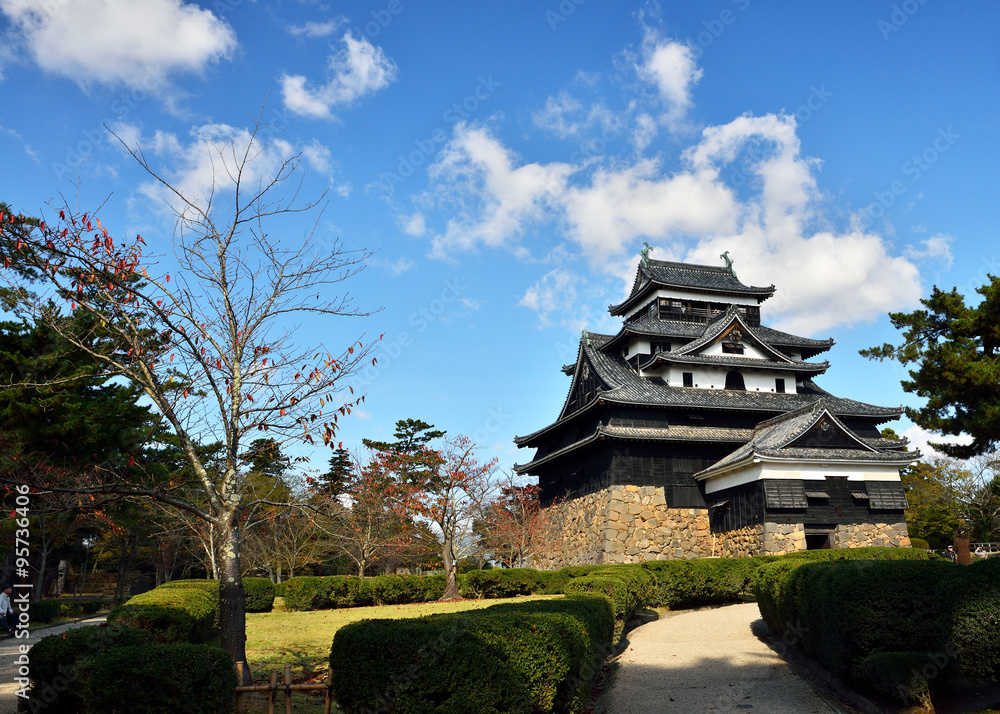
point(848, 610)
point(43, 610)
point(58, 663)
point(537, 656)
point(505, 582)
point(900, 675)
point(199, 679)
point(970, 603)
point(181, 611)
point(704, 581)
point(336, 591)
point(260, 594)
point(119, 670)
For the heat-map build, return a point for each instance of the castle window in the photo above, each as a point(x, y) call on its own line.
point(779, 385)
point(732, 348)
point(734, 380)
point(688, 379)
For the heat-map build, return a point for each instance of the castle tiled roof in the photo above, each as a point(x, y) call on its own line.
point(696, 278)
point(775, 438)
point(627, 387)
point(655, 327)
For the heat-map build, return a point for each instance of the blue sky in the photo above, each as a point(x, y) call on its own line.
point(507, 161)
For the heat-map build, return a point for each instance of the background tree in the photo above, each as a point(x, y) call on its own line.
point(935, 512)
point(333, 482)
point(213, 349)
point(512, 524)
point(954, 351)
point(378, 522)
point(453, 496)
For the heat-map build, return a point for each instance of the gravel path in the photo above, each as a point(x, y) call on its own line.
point(706, 660)
point(9, 653)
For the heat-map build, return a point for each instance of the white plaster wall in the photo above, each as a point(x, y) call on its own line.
point(799, 470)
point(638, 346)
point(715, 378)
point(749, 351)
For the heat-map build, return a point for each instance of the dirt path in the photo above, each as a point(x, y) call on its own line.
point(706, 661)
point(8, 659)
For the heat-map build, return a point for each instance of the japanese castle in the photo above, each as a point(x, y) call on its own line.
point(697, 431)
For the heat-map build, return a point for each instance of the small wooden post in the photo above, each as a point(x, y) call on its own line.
point(288, 692)
point(239, 683)
point(272, 692)
point(329, 691)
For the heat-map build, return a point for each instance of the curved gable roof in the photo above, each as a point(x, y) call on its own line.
point(686, 276)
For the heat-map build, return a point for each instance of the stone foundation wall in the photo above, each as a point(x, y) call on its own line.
point(863, 535)
point(740, 543)
point(622, 524)
point(631, 524)
point(783, 538)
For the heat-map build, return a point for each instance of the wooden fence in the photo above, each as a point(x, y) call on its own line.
point(287, 687)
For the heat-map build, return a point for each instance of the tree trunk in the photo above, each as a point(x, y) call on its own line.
point(450, 585)
point(232, 598)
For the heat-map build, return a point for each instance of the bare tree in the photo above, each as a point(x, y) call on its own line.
point(213, 346)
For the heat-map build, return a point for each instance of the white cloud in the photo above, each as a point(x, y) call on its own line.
point(620, 205)
point(400, 267)
point(357, 70)
point(203, 164)
point(318, 156)
point(554, 115)
point(551, 294)
point(825, 277)
point(471, 304)
point(316, 29)
point(936, 248)
point(920, 439)
point(672, 68)
point(495, 200)
point(644, 132)
point(138, 43)
point(415, 225)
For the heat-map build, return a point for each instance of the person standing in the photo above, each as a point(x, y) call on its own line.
point(7, 617)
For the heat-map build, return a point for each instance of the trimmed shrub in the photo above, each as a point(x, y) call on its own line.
point(518, 657)
point(777, 607)
point(872, 553)
point(209, 587)
point(504, 582)
point(336, 591)
point(970, 602)
point(44, 610)
point(160, 678)
point(175, 612)
point(259, 594)
point(900, 675)
point(704, 581)
point(848, 610)
point(302, 593)
point(56, 660)
point(90, 607)
point(919, 543)
point(279, 590)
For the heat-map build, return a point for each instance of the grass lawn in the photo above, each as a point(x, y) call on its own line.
point(303, 639)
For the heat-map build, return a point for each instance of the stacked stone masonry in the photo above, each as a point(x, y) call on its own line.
point(622, 524)
point(863, 535)
point(631, 524)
